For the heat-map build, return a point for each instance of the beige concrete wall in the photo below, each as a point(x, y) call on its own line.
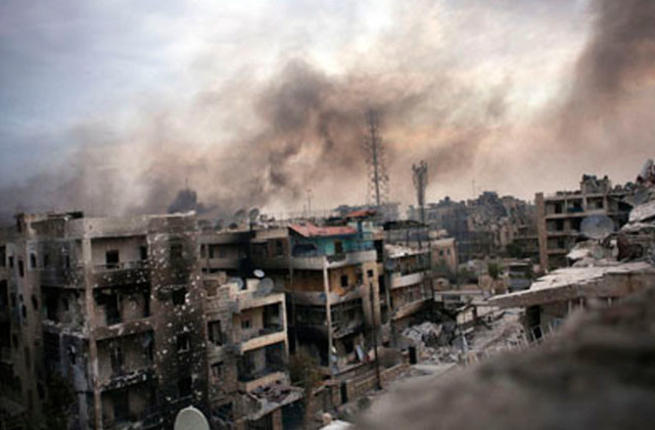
point(129, 248)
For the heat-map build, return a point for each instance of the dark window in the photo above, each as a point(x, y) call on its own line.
point(143, 250)
point(21, 268)
point(32, 260)
point(369, 273)
point(112, 311)
point(279, 247)
point(120, 400)
point(116, 356)
point(217, 370)
point(24, 311)
point(203, 251)
point(184, 386)
point(179, 296)
point(183, 342)
point(3, 256)
point(344, 280)
point(338, 247)
point(245, 324)
point(11, 261)
point(111, 258)
point(176, 251)
point(215, 334)
point(35, 302)
point(46, 260)
point(67, 261)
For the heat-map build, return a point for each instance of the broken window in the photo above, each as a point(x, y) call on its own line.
point(112, 311)
point(344, 280)
point(279, 247)
point(176, 251)
point(112, 259)
point(183, 342)
point(32, 260)
point(179, 296)
point(116, 358)
point(21, 268)
point(217, 370)
point(215, 334)
point(338, 247)
point(184, 386)
point(120, 401)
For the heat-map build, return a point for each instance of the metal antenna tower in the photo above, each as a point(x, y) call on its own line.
point(378, 180)
point(420, 178)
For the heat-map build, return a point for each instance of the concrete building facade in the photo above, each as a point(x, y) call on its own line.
point(114, 306)
point(560, 217)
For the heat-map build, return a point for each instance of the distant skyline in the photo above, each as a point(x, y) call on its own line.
point(110, 106)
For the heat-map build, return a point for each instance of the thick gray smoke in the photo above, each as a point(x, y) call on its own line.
point(302, 127)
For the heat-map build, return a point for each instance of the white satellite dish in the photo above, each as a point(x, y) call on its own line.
point(237, 281)
point(259, 273)
point(597, 226)
point(190, 418)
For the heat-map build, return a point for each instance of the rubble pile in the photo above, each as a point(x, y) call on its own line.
point(635, 241)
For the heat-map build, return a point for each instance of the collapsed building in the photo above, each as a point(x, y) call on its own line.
point(408, 290)
point(114, 306)
point(612, 265)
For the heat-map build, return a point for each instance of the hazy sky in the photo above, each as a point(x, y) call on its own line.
point(233, 97)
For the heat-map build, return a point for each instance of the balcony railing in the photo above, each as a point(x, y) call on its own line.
point(123, 265)
point(270, 329)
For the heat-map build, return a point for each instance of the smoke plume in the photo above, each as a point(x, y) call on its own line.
point(265, 142)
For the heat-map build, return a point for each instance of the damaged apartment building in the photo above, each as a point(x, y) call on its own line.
point(330, 275)
point(247, 352)
point(114, 306)
point(560, 216)
point(489, 225)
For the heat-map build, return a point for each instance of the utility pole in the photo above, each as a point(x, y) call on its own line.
point(375, 336)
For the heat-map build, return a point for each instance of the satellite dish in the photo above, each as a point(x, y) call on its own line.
point(253, 214)
point(239, 216)
point(266, 285)
point(190, 418)
point(597, 226)
point(237, 281)
point(258, 273)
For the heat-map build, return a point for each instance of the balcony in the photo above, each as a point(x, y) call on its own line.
point(315, 260)
point(124, 273)
point(270, 375)
point(262, 337)
point(399, 281)
point(123, 378)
